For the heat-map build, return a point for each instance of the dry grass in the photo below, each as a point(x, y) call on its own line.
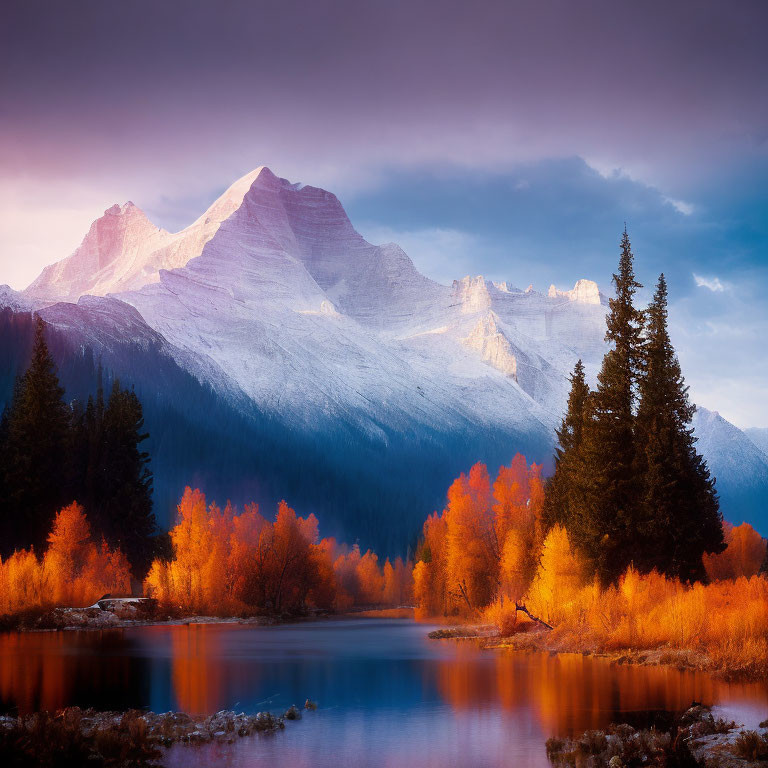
point(721, 626)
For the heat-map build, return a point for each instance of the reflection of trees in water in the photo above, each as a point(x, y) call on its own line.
point(198, 678)
point(204, 668)
point(51, 670)
point(570, 693)
point(33, 672)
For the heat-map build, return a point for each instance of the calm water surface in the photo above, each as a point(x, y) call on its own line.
point(388, 696)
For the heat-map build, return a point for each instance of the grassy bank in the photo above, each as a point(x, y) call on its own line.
point(729, 662)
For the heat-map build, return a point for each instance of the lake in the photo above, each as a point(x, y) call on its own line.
point(387, 695)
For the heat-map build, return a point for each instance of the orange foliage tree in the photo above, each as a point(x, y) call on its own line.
point(743, 555)
point(483, 544)
point(227, 563)
point(486, 557)
point(74, 571)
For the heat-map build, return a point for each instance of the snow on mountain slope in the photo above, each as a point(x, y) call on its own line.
point(740, 467)
point(269, 302)
point(759, 436)
point(274, 299)
point(123, 250)
point(14, 300)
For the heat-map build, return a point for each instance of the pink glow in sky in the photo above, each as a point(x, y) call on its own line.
point(163, 103)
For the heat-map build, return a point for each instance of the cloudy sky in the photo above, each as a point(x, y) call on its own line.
point(511, 139)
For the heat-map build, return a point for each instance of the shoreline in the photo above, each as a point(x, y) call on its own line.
point(131, 737)
point(696, 737)
point(94, 619)
point(540, 641)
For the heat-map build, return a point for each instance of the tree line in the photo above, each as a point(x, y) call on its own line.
point(229, 563)
point(75, 569)
point(53, 452)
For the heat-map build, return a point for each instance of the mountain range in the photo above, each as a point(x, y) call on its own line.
point(284, 355)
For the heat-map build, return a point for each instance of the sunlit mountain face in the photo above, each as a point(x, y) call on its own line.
point(278, 352)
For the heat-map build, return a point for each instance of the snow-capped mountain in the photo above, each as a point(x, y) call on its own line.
point(273, 293)
point(740, 467)
point(273, 299)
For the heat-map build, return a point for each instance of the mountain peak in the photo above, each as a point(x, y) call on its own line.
point(128, 209)
point(232, 198)
point(583, 292)
point(471, 293)
point(113, 243)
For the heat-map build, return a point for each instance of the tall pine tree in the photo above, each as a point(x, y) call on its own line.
point(36, 459)
point(678, 517)
point(126, 504)
point(604, 527)
point(560, 492)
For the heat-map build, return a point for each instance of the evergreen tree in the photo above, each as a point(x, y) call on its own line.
point(604, 527)
point(4, 528)
point(558, 501)
point(679, 516)
point(35, 457)
point(122, 480)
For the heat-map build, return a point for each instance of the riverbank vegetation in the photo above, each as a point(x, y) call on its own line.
point(624, 547)
point(220, 563)
point(685, 743)
point(225, 563)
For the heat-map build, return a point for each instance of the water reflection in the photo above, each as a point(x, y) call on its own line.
point(568, 692)
point(197, 681)
point(386, 692)
point(50, 670)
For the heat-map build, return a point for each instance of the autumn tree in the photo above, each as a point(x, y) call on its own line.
point(678, 512)
point(23, 583)
point(226, 563)
point(472, 553)
point(345, 571)
point(430, 590)
point(370, 579)
point(560, 575)
point(485, 543)
point(744, 554)
point(288, 577)
point(519, 497)
point(398, 582)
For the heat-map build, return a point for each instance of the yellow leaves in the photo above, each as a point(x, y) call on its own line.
point(370, 580)
point(514, 565)
point(425, 594)
point(558, 579)
point(23, 583)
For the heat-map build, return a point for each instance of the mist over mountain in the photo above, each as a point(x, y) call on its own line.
point(279, 354)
